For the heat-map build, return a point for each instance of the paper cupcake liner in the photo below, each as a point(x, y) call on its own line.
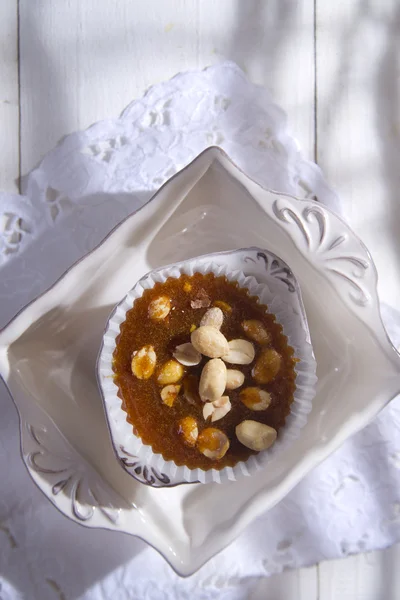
point(139, 458)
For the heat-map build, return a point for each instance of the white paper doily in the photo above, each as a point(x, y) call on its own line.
point(84, 187)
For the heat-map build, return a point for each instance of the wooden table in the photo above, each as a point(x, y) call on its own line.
point(333, 66)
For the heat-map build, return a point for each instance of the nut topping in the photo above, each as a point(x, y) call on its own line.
point(170, 372)
point(187, 355)
point(213, 443)
point(159, 308)
point(217, 409)
point(255, 399)
point(256, 331)
point(213, 380)
point(214, 317)
point(224, 306)
point(267, 366)
point(169, 394)
point(187, 428)
point(144, 362)
point(202, 300)
point(240, 352)
point(234, 379)
point(210, 342)
point(255, 436)
point(191, 389)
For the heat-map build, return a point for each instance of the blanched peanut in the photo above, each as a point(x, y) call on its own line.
point(255, 436)
point(144, 362)
point(234, 379)
point(240, 352)
point(187, 428)
point(187, 355)
point(210, 342)
point(159, 308)
point(267, 366)
point(191, 389)
point(256, 331)
point(170, 372)
point(214, 317)
point(169, 394)
point(255, 399)
point(213, 443)
point(217, 409)
point(213, 380)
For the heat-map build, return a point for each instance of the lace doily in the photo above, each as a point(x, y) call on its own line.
point(84, 187)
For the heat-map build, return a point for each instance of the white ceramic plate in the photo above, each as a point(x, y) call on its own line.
point(48, 354)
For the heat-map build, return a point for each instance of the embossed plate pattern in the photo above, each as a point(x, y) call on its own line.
point(48, 354)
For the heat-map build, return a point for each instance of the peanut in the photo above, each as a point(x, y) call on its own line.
point(213, 443)
point(170, 372)
point(210, 342)
point(213, 380)
point(169, 394)
point(191, 389)
point(187, 355)
point(224, 306)
point(159, 308)
point(187, 428)
point(255, 399)
point(217, 409)
point(255, 436)
point(267, 366)
point(214, 317)
point(240, 352)
point(234, 379)
point(256, 331)
point(144, 362)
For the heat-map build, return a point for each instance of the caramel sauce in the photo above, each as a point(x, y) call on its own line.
point(156, 423)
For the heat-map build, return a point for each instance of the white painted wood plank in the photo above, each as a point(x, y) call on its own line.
point(300, 584)
point(371, 576)
point(9, 110)
point(358, 117)
point(273, 42)
point(85, 61)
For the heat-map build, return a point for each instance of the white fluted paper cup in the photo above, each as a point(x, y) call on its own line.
point(138, 459)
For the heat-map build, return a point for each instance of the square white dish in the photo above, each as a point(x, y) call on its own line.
point(48, 354)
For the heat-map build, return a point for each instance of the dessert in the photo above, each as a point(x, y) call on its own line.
point(204, 372)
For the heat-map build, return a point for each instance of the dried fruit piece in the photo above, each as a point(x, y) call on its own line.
point(217, 409)
point(210, 342)
point(169, 394)
point(240, 352)
point(255, 399)
point(234, 379)
point(255, 330)
point(267, 366)
point(213, 380)
point(255, 436)
point(193, 328)
point(144, 362)
point(159, 308)
point(214, 317)
point(191, 389)
point(224, 306)
point(213, 443)
point(170, 372)
point(187, 355)
point(187, 428)
point(201, 301)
